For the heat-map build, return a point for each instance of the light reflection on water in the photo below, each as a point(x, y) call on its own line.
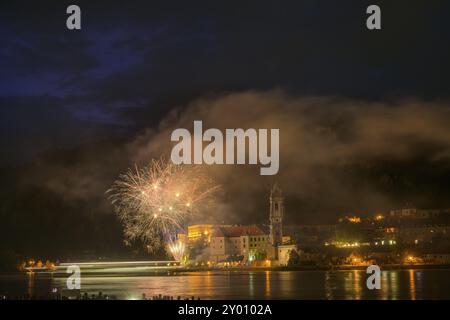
point(395, 284)
point(412, 284)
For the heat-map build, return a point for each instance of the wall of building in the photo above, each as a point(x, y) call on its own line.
point(284, 253)
point(217, 249)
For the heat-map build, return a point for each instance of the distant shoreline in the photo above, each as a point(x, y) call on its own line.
point(383, 267)
point(178, 270)
point(315, 268)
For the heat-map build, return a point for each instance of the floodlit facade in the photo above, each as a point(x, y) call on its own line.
point(247, 243)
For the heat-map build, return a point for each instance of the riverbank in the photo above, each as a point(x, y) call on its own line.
point(322, 268)
point(171, 270)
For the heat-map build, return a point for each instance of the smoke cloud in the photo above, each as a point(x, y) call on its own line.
point(336, 155)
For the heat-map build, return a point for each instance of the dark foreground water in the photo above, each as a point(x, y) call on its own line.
point(395, 284)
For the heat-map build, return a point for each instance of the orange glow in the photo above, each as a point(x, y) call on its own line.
point(354, 219)
point(356, 260)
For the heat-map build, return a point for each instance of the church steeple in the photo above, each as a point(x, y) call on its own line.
point(276, 215)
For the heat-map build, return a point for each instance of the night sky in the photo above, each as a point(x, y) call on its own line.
point(79, 107)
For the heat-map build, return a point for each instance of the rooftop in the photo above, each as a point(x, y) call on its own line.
point(237, 231)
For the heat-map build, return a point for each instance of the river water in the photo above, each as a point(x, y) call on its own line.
point(349, 284)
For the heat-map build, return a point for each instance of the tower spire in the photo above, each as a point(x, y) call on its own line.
point(276, 215)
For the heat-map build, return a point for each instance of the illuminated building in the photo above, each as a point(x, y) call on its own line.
point(199, 231)
point(244, 243)
point(248, 242)
point(422, 235)
point(414, 213)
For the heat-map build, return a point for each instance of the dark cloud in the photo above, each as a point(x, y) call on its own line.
point(32, 125)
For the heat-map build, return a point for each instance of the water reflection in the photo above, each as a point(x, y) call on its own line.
point(268, 282)
point(30, 285)
point(357, 286)
point(251, 286)
point(412, 284)
point(329, 286)
point(395, 284)
point(385, 285)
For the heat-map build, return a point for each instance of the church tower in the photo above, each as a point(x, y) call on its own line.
point(276, 215)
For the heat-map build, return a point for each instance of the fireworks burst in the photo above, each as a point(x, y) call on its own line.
point(154, 202)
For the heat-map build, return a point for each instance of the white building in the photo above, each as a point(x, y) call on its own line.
point(248, 242)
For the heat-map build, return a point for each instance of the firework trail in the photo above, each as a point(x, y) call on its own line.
point(177, 249)
point(155, 202)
